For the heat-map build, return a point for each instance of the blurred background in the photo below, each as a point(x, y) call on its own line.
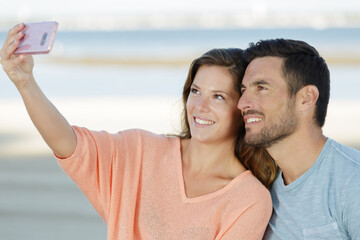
point(121, 64)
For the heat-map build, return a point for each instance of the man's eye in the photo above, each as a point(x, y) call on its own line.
point(260, 88)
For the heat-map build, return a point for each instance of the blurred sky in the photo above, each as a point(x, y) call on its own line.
point(72, 7)
point(70, 10)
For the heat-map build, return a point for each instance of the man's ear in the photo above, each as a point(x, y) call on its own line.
point(307, 97)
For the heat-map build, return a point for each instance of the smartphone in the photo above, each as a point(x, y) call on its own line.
point(38, 38)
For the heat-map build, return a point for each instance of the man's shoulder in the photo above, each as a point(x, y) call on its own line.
point(345, 164)
point(344, 155)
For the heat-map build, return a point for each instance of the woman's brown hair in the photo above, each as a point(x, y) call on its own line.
point(253, 158)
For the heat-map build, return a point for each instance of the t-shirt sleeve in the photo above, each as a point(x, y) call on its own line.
point(95, 164)
point(351, 206)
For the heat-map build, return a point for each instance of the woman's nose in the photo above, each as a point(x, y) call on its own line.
point(203, 104)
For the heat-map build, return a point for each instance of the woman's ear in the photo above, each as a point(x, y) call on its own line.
point(307, 97)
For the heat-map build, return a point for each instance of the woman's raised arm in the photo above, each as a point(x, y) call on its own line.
point(52, 126)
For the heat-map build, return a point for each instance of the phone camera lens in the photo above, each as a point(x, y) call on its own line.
point(43, 38)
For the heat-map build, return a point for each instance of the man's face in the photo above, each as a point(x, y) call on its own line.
point(269, 113)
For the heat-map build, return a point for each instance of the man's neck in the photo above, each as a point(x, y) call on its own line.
point(297, 153)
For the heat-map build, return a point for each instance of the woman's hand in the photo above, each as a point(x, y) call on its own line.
point(19, 68)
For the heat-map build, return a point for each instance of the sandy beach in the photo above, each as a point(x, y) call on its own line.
point(38, 201)
point(18, 137)
point(156, 114)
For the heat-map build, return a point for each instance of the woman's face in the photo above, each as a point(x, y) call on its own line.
point(212, 106)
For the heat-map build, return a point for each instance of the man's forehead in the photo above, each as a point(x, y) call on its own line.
point(263, 68)
point(266, 63)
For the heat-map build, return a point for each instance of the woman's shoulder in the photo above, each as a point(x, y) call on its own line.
point(248, 194)
point(253, 188)
point(128, 135)
point(144, 137)
point(147, 135)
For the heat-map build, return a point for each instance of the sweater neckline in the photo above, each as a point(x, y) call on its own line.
point(207, 196)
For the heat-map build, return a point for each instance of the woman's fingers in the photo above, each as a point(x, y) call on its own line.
point(16, 29)
point(9, 61)
point(12, 42)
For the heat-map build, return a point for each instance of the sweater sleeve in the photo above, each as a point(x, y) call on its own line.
point(251, 224)
point(93, 167)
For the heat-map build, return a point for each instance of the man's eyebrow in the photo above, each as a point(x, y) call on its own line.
point(260, 82)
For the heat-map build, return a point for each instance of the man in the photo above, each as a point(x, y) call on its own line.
point(285, 93)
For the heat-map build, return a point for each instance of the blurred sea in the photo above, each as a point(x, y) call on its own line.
point(155, 63)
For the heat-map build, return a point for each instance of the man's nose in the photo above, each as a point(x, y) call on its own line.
point(244, 102)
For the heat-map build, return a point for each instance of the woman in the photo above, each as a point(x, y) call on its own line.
point(148, 186)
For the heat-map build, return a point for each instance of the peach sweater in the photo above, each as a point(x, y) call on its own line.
point(134, 181)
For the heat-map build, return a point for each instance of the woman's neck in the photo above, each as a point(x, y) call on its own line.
point(210, 159)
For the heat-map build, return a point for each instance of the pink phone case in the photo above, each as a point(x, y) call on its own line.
point(38, 39)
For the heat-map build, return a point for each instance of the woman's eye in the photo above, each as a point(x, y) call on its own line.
point(194, 90)
point(219, 97)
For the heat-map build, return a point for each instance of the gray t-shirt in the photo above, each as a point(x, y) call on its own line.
point(323, 203)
